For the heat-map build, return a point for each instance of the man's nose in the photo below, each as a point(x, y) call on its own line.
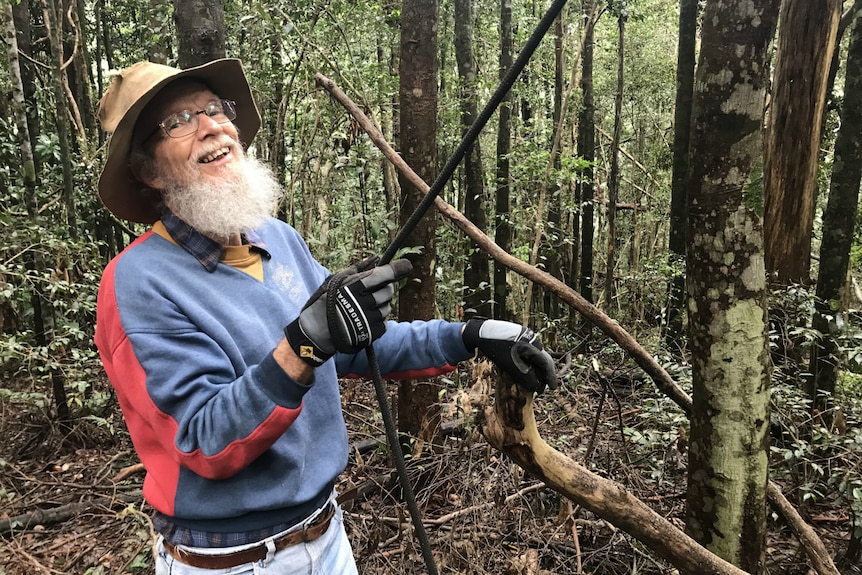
point(208, 125)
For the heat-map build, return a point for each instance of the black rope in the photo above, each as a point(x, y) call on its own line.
point(445, 173)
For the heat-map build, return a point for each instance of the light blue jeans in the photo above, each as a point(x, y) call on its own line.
point(329, 554)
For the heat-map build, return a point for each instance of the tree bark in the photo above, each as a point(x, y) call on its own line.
point(839, 221)
point(160, 49)
point(502, 207)
point(82, 69)
point(614, 178)
point(587, 151)
point(54, 23)
point(418, 131)
point(728, 457)
point(21, 13)
point(554, 234)
point(805, 45)
point(200, 31)
point(477, 275)
point(679, 179)
point(19, 108)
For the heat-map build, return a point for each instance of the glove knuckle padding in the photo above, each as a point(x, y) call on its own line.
point(378, 277)
point(515, 349)
point(347, 312)
point(502, 330)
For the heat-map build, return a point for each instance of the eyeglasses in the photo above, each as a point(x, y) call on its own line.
point(185, 122)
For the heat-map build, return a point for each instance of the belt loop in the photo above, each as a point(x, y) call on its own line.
point(270, 552)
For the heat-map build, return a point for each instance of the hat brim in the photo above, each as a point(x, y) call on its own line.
point(121, 192)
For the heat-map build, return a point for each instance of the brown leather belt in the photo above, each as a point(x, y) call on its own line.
point(311, 532)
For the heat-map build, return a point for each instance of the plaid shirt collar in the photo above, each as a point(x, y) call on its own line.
point(207, 251)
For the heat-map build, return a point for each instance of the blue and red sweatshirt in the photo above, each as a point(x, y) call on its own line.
point(230, 442)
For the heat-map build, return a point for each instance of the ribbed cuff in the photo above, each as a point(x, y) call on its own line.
point(302, 346)
point(283, 389)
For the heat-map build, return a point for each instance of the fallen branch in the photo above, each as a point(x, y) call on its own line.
point(510, 426)
point(813, 546)
point(62, 513)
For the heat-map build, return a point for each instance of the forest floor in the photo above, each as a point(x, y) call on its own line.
point(484, 514)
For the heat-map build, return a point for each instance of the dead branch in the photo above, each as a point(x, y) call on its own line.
point(126, 472)
point(64, 512)
point(817, 553)
point(814, 548)
point(511, 427)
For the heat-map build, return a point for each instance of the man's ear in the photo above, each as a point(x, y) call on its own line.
point(143, 167)
point(148, 178)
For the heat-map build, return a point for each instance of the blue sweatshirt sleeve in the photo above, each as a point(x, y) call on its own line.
point(411, 350)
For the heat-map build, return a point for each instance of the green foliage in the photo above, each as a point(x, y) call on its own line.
point(658, 445)
point(822, 460)
point(819, 454)
point(41, 268)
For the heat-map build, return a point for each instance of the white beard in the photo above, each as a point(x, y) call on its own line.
point(241, 201)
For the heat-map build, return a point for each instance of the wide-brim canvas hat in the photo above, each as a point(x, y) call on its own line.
point(128, 95)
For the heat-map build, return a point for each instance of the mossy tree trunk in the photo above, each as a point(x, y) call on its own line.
point(726, 499)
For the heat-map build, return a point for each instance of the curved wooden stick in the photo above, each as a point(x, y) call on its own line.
point(817, 553)
point(510, 426)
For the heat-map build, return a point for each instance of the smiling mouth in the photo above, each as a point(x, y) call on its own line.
point(213, 156)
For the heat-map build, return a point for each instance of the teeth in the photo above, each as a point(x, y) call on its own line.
point(214, 156)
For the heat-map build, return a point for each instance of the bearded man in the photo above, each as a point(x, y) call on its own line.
point(224, 338)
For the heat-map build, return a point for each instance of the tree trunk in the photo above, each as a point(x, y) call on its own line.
point(21, 13)
point(159, 49)
point(418, 126)
point(389, 49)
point(553, 232)
point(19, 108)
point(54, 22)
point(839, 221)
point(805, 45)
point(679, 180)
point(503, 206)
point(614, 178)
point(587, 151)
point(477, 276)
point(200, 31)
point(726, 499)
point(82, 71)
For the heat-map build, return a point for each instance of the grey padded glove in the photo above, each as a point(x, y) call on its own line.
point(515, 349)
point(347, 312)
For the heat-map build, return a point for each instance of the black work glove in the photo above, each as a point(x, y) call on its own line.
point(515, 349)
point(347, 312)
